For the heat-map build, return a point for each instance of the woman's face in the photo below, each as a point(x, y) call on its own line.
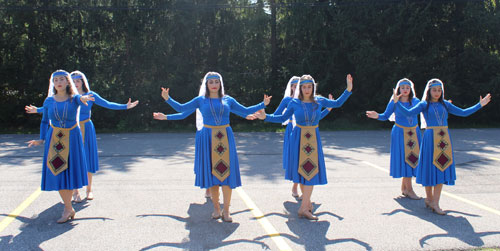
point(213, 85)
point(307, 90)
point(78, 83)
point(60, 83)
point(436, 92)
point(405, 90)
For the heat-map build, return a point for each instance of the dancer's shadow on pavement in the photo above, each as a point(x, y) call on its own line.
point(310, 234)
point(42, 227)
point(456, 226)
point(204, 233)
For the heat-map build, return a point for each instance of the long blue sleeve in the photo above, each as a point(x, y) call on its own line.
point(76, 98)
point(39, 109)
point(281, 118)
point(414, 110)
point(324, 113)
point(191, 105)
point(284, 103)
point(106, 104)
point(240, 110)
point(388, 112)
point(335, 103)
point(44, 125)
point(180, 116)
point(453, 109)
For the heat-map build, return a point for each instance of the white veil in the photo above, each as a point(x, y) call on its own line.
point(288, 93)
point(423, 123)
point(393, 115)
point(203, 91)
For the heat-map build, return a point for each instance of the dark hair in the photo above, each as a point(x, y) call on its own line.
point(428, 98)
point(207, 91)
point(84, 86)
point(69, 90)
point(410, 97)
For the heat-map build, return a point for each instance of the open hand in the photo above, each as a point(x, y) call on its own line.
point(396, 96)
point(349, 82)
point(267, 99)
point(372, 114)
point(131, 105)
point(164, 93)
point(330, 97)
point(484, 101)
point(159, 116)
point(260, 114)
point(35, 142)
point(86, 98)
point(30, 109)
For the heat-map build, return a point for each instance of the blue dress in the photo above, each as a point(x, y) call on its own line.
point(399, 168)
point(215, 112)
point(90, 141)
point(436, 114)
point(288, 130)
point(296, 107)
point(75, 176)
point(183, 115)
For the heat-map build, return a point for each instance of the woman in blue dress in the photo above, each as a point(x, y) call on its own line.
point(87, 127)
point(436, 165)
point(405, 137)
point(216, 160)
point(64, 165)
point(289, 93)
point(307, 163)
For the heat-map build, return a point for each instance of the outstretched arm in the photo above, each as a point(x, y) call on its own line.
point(283, 104)
point(112, 105)
point(277, 118)
point(176, 116)
point(389, 110)
point(243, 111)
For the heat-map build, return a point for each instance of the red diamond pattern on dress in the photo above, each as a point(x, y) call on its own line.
point(58, 147)
point(443, 159)
point(411, 143)
point(308, 166)
point(308, 135)
point(413, 158)
point(442, 145)
point(410, 133)
point(57, 162)
point(219, 135)
point(60, 134)
point(308, 149)
point(442, 133)
point(221, 167)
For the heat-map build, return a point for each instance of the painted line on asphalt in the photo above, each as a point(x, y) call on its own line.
point(13, 215)
point(261, 218)
point(493, 158)
point(470, 202)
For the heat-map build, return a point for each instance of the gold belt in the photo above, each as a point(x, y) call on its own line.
point(57, 158)
point(220, 152)
point(82, 128)
point(308, 152)
point(443, 154)
point(412, 148)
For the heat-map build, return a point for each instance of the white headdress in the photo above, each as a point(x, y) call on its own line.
point(430, 83)
point(203, 91)
point(402, 81)
point(288, 93)
point(80, 75)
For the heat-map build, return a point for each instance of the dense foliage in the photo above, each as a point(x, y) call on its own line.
point(131, 48)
